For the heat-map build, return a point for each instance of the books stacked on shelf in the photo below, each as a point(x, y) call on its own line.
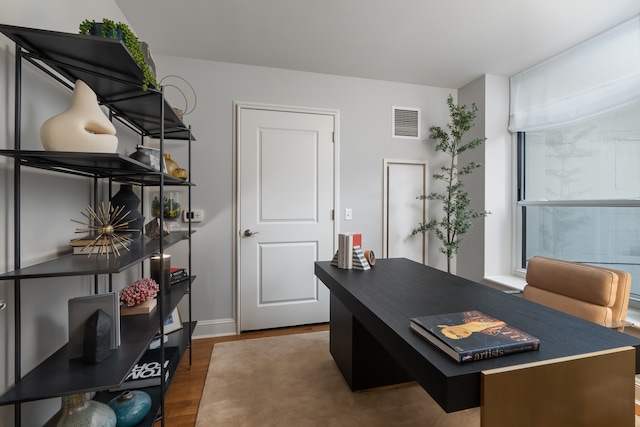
point(93, 245)
point(178, 274)
point(81, 308)
point(472, 335)
point(146, 373)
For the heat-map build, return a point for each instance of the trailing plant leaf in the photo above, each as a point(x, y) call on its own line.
point(110, 29)
point(458, 216)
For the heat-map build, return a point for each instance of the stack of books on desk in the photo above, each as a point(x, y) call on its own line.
point(472, 335)
point(350, 254)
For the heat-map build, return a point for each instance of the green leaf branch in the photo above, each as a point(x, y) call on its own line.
point(457, 217)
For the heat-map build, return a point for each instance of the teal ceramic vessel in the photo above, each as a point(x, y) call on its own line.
point(130, 407)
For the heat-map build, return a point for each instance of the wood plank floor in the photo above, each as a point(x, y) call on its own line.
point(183, 398)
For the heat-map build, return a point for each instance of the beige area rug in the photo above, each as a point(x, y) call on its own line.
point(292, 380)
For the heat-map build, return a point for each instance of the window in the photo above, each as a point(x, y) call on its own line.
point(577, 117)
point(579, 192)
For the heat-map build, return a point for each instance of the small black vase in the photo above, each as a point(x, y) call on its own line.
point(141, 156)
point(127, 198)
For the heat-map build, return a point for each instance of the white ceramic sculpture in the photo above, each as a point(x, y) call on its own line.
point(83, 127)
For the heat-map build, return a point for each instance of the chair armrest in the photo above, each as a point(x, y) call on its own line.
point(617, 324)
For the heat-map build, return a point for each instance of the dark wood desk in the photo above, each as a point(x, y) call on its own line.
point(373, 346)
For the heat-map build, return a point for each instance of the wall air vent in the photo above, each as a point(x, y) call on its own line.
point(406, 123)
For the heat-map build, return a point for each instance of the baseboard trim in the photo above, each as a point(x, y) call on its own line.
point(215, 328)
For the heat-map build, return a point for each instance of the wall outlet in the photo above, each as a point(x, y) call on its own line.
point(196, 215)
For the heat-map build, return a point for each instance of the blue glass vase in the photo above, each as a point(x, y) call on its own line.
point(130, 407)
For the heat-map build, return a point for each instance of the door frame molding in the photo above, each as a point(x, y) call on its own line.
point(385, 202)
point(238, 106)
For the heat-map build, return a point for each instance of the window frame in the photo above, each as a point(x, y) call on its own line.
point(522, 204)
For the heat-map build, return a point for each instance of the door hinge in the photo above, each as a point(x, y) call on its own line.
point(333, 137)
point(332, 214)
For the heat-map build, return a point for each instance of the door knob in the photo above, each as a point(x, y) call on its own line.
point(249, 233)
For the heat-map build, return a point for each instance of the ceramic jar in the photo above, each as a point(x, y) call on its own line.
point(181, 173)
point(78, 411)
point(141, 156)
point(170, 164)
point(130, 407)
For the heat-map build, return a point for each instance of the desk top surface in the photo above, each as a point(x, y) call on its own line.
point(384, 298)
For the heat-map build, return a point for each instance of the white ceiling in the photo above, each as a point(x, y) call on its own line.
point(444, 43)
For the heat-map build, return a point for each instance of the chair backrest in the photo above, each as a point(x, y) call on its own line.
point(597, 294)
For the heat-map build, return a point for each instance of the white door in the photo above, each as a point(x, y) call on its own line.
point(285, 216)
point(404, 181)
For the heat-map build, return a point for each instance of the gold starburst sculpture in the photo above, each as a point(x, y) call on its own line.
point(105, 225)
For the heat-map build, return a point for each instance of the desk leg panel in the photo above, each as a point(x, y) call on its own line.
point(595, 389)
point(364, 363)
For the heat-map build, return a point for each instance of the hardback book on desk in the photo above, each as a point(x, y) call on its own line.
point(473, 335)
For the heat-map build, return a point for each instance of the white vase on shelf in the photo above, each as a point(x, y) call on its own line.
point(83, 127)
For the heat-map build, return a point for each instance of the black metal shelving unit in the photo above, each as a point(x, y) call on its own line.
point(108, 68)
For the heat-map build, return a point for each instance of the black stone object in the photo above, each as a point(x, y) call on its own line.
point(152, 229)
point(97, 337)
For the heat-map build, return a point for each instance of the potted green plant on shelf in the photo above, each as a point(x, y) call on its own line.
point(451, 228)
point(118, 30)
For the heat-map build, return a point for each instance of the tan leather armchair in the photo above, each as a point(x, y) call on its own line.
point(597, 294)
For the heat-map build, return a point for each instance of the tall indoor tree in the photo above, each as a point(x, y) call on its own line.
point(457, 217)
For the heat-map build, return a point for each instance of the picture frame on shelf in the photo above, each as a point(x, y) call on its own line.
point(173, 322)
point(154, 155)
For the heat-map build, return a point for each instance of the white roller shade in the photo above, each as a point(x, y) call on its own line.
point(593, 78)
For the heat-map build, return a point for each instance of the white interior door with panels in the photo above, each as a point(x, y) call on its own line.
point(285, 215)
point(404, 181)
